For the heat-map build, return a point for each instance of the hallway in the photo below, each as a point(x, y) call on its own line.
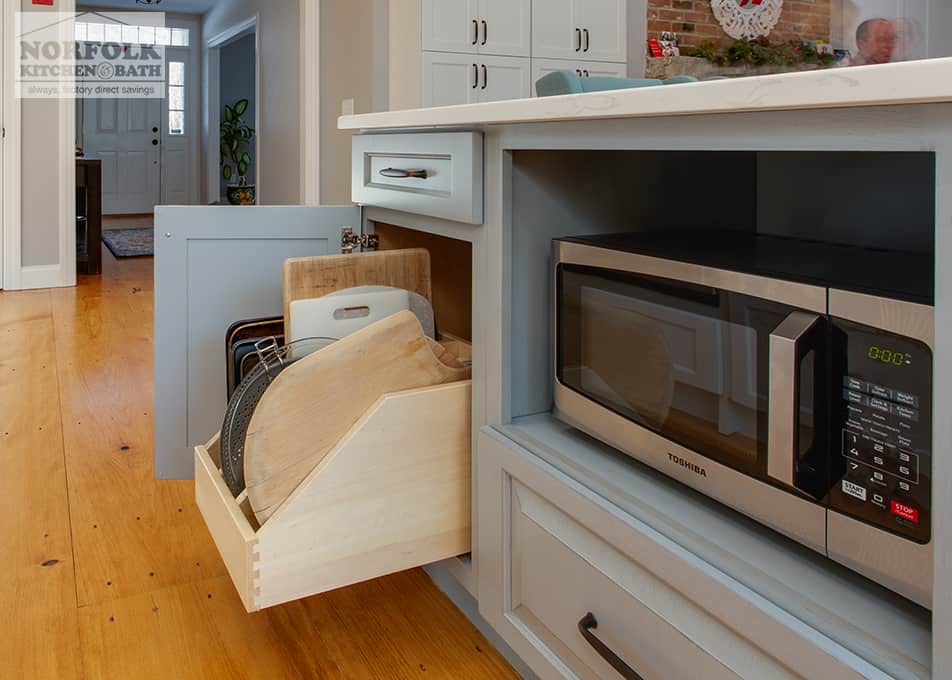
point(114, 574)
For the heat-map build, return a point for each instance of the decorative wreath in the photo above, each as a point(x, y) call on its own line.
point(747, 18)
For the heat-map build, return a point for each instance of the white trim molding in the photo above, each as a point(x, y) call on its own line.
point(310, 102)
point(10, 190)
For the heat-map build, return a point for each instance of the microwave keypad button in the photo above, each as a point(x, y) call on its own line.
point(882, 392)
point(879, 500)
point(878, 478)
point(854, 490)
point(856, 397)
point(907, 399)
point(854, 384)
point(905, 487)
point(880, 404)
point(906, 457)
point(905, 413)
point(904, 511)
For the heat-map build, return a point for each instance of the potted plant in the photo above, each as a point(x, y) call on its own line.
point(236, 138)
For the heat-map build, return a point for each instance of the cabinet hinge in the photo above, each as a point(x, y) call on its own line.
point(349, 241)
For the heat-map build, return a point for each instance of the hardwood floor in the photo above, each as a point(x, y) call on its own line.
point(111, 574)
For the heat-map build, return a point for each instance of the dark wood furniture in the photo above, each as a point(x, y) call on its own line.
point(88, 216)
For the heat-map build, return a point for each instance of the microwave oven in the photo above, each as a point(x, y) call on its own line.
point(790, 380)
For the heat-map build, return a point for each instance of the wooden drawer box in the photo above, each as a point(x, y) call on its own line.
point(394, 494)
point(438, 174)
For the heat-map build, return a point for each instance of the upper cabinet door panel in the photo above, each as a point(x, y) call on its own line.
point(604, 29)
point(555, 34)
point(450, 79)
point(505, 27)
point(451, 26)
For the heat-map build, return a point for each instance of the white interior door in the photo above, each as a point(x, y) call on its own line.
point(123, 134)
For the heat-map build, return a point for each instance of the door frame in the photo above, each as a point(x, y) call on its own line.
point(63, 273)
point(213, 114)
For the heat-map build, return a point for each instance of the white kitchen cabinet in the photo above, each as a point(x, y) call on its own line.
point(492, 27)
point(504, 78)
point(585, 69)
point(451, 26)
point(593, 30)
point(450, 79)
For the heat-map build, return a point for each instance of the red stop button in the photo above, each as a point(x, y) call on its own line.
point(905, 512)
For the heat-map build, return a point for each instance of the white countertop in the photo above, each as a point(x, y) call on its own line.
point(917, 82)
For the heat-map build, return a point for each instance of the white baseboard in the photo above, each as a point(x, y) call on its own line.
point(42, 276)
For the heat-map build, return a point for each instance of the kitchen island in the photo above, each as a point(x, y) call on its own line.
point(563, 524)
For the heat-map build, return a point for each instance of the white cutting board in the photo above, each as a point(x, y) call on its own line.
point(347, 311)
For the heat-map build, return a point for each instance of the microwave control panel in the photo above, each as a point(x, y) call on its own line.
point(883, 428)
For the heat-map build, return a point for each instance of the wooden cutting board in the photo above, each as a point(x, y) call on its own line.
point(314, 402)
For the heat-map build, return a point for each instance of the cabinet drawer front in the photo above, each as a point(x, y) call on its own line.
point(439, 174)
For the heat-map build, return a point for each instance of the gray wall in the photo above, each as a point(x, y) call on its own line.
point(41, 152)
point(354, 65)
point(278, 92)
point(238, 82)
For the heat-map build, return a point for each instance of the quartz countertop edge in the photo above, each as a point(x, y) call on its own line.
point(915, 82)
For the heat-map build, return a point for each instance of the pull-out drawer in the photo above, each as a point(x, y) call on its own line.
point(580, 590)
point(436, 174)
point(394, 494)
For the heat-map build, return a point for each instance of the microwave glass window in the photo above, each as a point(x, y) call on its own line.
point(690, 363)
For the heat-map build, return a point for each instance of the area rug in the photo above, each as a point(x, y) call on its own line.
point(130, 242)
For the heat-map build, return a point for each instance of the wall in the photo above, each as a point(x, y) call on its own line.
point(353, 66)
point(41, 150)
point(278, 92)
point(238, 82)
point(694, 22)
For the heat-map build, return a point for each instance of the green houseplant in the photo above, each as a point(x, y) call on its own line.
point(236, 138)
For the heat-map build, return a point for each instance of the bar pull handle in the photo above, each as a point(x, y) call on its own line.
point(585, 627)
point(485, 32)
point(783, 434)
point(475, 31)
point(588, 41)
point(578, 39)
point(485, 77)
point(400, 173)
point(475, 76)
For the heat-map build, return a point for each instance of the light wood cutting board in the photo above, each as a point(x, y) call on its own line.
point(314, 402)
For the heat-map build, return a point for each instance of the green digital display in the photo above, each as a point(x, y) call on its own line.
point(888, 356)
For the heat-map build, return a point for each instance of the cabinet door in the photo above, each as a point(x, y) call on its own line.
point(450, 25)
point(604, 29)
point(215, 266)
point(504, 78)
point(585, 69)
point(450, 79)
point(505, 27)
point(555, 34)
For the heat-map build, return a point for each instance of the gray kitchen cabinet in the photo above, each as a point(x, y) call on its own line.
point(488, 27)
point(592, 30)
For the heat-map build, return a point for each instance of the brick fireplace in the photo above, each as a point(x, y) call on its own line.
point(694, 21)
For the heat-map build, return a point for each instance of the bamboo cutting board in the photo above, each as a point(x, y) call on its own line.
point(313, 403)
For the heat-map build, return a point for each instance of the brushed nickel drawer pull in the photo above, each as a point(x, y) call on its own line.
point(585, 627)
point(397, 173)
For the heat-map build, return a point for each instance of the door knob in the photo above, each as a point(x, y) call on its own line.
point(155, 129)
point(155, 142)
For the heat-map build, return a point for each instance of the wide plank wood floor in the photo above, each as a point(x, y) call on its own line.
point(111, 574)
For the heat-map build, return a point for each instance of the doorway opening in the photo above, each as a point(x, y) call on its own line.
point(145, 151)
point(233, 115)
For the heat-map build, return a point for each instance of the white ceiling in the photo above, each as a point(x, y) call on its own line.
point(181, 6)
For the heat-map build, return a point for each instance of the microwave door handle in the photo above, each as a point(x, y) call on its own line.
point(784, 395)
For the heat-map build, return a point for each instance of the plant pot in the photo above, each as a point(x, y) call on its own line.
point(241, 194)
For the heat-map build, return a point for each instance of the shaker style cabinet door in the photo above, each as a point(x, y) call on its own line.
point(585, 69)
point(505, 27)
point(592, 30)
point(554, 32)
point(502, 78)
point(604, 29)
point(451, 26)
point(450, 79)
